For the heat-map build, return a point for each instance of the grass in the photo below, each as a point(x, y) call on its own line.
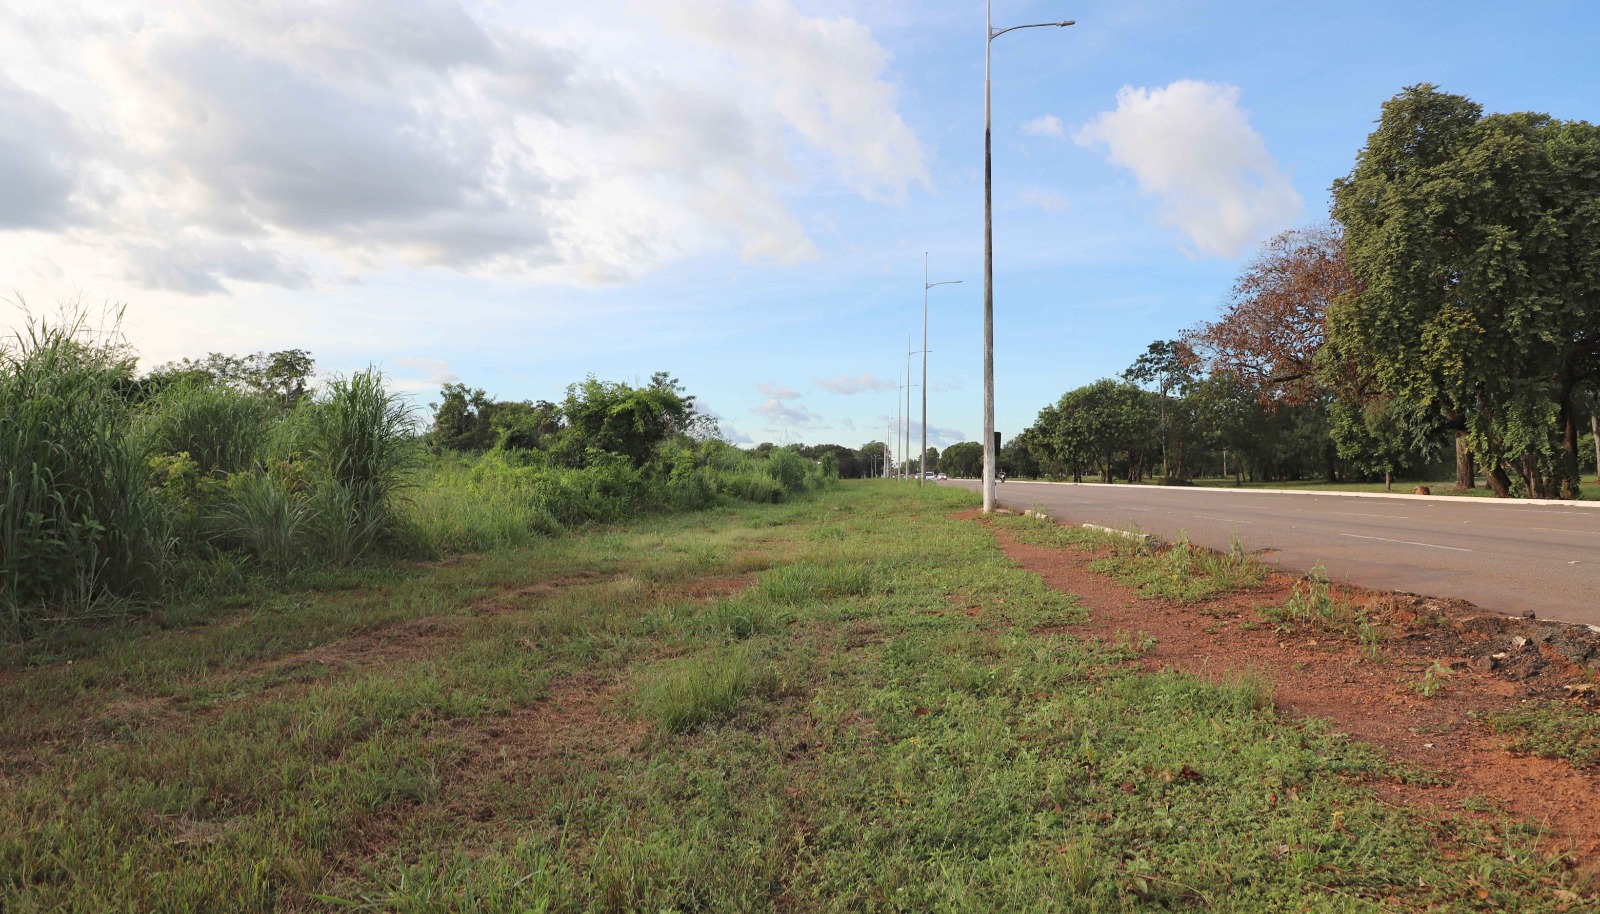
point(1182, 572)
point(683, 694)
point(1552, 729)
point(841, 703)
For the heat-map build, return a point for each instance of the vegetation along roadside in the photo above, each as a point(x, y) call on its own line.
point(851, 701)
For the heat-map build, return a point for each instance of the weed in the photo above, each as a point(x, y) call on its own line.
point(1433, 680)
point(1182, 572)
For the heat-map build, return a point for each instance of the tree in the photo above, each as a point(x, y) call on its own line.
point(1472, 238)
point(461, 419)
point(1380, 436)
point(283, 375)
point(1017, 456)
point(964, 459)
point(620, 419)
point(870, 457)
point(1271, 329)
point(1169, 365)
point(1102, 425)
point(523, 425)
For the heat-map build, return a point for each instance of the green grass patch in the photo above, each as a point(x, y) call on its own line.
point(1182, 571)
point(683, 694)
point(1551, 729)
point(890, 716)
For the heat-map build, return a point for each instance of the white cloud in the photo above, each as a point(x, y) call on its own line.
point(842, 383)
point(203, 143)
point(777, 391)
point(1191, 147)
point(434, 374)
point(822, 76)
point(1045, 199)
point(937, 437)
point(1043, 125)
point(778, 413)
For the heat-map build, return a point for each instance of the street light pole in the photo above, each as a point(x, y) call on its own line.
point(909, 385)
point(922, 474)
point(990, 457)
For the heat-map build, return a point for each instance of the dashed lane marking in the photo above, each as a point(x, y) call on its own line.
point(1405, 542)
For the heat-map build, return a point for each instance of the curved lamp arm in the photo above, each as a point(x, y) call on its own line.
point(996, 33)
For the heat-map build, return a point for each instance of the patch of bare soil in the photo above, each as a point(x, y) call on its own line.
point(712, 588)
point(520, 597)
point(580, 723)
point(577, 726)
point(1494, 662)
point(406, 639)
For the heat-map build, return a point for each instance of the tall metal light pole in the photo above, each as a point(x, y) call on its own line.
point(922, 474)
point(990, 458)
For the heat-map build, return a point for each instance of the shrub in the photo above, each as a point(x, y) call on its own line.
point(788, 469)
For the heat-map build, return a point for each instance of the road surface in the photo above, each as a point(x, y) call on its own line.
point(1499, 555)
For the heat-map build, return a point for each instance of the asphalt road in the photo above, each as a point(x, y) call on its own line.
point(1499, 555)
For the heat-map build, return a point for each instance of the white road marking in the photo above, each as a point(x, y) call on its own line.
point(1227, 520)
point(1559, 530)
point(1359, 514)
point(1405, 542)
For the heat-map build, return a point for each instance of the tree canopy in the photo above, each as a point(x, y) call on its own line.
point(1473, 239)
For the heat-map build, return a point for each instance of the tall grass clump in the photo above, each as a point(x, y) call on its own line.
point(222, 429)
point(78, 523)
point(358, 440)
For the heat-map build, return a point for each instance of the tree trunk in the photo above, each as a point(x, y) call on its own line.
point(1466, 476)
point(1571, 478)
point(1498, 480)
point(1388, 481)
point(1594, 427)
point(1534, 478)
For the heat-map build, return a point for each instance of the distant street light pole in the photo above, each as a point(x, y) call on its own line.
point(909, 353)
point(899, 429)
point(923, 473)
point(990, 457)
point(886, 454)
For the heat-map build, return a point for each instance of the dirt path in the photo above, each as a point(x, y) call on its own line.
point(1325, 676)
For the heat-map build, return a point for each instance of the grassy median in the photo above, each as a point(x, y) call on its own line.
point(852, 702)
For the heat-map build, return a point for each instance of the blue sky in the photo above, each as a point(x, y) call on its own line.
point(739, 192)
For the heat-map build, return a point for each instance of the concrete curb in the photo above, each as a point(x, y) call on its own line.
point(1453, 499)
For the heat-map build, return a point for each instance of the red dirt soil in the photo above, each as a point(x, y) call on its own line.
point(1317, 674)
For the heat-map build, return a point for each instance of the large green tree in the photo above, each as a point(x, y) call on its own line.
point(1474, 238)
point(964, 459)
point(1103, 425)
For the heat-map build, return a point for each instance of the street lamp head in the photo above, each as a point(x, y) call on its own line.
point(1063, 25)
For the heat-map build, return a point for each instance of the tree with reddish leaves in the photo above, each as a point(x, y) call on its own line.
point(1272, 326)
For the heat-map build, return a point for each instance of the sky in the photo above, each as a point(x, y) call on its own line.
point(515, 195)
